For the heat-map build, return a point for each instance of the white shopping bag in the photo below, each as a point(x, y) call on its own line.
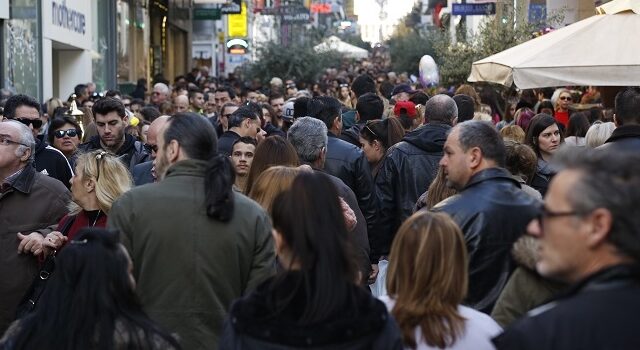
point(379, 287)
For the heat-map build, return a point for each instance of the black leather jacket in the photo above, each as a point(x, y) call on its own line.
point(348, 163)
point(493, 212)
point(406, 172)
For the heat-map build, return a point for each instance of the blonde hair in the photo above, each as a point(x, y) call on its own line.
point(512, 133)
point(112, 178)
point(598, 133)
point(427, 277)
point(270, 183)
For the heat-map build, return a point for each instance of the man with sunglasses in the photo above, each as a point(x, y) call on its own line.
point(111, 121)
point(48, 160)
point(588, 232)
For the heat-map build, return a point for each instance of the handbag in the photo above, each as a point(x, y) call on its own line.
point(31, 297)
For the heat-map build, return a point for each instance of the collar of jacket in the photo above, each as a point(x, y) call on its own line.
point(24, 181)
point(623, 132)
point(617, 276)
point(189, 167)
point(491, 174)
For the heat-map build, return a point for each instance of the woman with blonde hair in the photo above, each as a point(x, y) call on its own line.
point(427, 282)
point(599, 133)
point(100, 178)
point(270, 183)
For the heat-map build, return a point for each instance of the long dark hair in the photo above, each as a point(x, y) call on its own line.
point(536, 127)
point(89, 300)
point(199, 141)
point(388, 132)
point(59, 122)
point(319, 243)
point(272, 151)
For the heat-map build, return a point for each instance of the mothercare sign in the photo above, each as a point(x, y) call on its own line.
point(67, 22)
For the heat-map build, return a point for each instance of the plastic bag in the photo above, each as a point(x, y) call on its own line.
point(379, 287)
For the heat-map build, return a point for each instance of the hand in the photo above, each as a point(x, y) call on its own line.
point(374, 274)
point(54, 241)
point(31, 243)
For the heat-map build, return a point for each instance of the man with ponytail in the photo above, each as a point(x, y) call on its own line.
point(195, 244)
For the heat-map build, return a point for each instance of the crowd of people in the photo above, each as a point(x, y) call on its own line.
point(360, 212)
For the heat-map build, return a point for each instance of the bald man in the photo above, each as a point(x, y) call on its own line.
point(180, 104)
point(144, 173)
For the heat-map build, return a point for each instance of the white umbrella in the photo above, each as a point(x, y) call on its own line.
point(602, 50)
point(334, 43)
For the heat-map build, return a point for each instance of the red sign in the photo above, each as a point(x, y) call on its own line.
point(320, 8)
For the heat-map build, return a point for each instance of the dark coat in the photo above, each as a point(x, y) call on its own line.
point(348, 163)
point(253, 322)
point(190, 267)
point(131, 153)
point(142, 173)
point(34, 202)
point(273, 130)
point(53, 163)
point(544, 173)
point(226, 141)
point(601, 312)
point(623, 138)
point(352, 134)
point(492, 212)
point(406, 172)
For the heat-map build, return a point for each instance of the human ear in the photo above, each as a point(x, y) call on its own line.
point(173, 151)
point(600, 221)
point(475, 157)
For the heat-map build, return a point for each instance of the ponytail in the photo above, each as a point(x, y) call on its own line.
point(218, 188)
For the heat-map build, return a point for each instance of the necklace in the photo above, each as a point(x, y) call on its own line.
point(96, 219)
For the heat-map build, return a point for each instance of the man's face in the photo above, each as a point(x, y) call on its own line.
point(9, 161)
point(197, 100)
point(180, 104)
point(242, 157)
point(252, 96)
point(403, 96)
point(562, 251)
point(29, 115)
point(252, 127)
point(210, 106)
point(278, 106)
point(158, 96)
point(221, 97)
point(455, 162)
point(127, 103)
point(111, 128)
point(161, 162)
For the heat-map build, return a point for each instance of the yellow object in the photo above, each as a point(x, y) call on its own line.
point(237, 24)
point(134, 121)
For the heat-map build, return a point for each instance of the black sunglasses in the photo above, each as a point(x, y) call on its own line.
point(37, 123)
point(69, 132)
point(151, 148)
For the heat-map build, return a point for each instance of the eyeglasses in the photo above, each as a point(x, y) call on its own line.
point(566, 98)
point(151, 148)
point(291, 86)
point(37, 123)
point(544, 213)
point(5, 141)
point(69, 132)
point(368, 128)
point(99, 158)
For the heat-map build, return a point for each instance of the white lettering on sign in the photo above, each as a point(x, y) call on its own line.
point(64, 17)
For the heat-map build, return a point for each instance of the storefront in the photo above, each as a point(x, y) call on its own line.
point(50, 46)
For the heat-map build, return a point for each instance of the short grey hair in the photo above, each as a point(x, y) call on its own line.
point(441, 108)
point(26, 138)
point(609, 179)
point(308, 136)
point(481, 134)
point(162, 86)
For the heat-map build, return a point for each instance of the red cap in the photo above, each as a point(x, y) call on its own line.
point(408, 106)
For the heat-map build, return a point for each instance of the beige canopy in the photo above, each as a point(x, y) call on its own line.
point(334, 43)
point(603, 50)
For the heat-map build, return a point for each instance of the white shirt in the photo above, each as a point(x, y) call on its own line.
point(479, 329)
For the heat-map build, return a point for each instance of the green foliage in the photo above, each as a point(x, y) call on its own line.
point(406, 49)
point(299, 62)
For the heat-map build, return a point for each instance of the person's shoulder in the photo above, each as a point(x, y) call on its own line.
point(50, 184)
point(480, 320)
point(246, 205)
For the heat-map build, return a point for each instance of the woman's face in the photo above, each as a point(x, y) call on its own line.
point(80, 186)
point(344, 92)
point(64, 142)
point(372, 150)
point(549, 139)
point(266, 115)
point(145, 131)
point(564, 100)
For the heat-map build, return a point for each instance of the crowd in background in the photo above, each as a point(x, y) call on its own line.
point(359, 211)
